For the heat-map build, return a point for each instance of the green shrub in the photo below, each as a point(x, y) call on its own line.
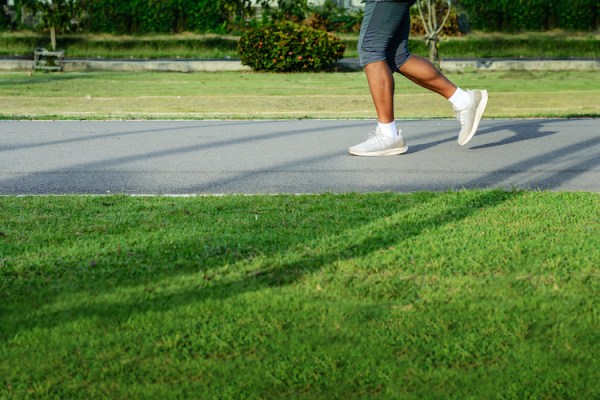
point(289, 47)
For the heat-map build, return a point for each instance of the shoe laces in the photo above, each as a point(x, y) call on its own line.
point(460, 115)
point(374, 136)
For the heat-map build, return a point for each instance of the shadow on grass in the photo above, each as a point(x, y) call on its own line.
point(203, 252)
point(200, 256)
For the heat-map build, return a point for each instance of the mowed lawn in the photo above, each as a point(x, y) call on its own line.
point(469, 294)
point(249, 95)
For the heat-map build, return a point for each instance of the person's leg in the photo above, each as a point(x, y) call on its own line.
point(469, 105)
point(387, 32)
point(383, 25)
point(380, 27)
point(381, 86)
point(425, 74)
point(387, 140)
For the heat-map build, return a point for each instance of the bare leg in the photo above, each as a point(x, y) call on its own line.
point(425, 74)
point(417, 69)
point(381, 85)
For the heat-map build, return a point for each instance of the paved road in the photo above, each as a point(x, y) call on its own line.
point(309, 156)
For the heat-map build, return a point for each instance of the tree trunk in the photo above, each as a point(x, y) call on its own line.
point(433, 26)
point(433, 50)
point(53, 37)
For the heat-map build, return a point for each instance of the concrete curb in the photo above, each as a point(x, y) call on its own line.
point(456, 65)
point(16, 64)
point(528, 65)
point(134, 65)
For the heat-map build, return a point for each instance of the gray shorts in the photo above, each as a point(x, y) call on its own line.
point(384, 33)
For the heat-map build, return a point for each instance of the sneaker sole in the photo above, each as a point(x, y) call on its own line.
point(388, 152)
point(478, 114)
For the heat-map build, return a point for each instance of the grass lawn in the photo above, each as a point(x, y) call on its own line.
point(188, 45)
point(471, 294)
point(265, 95)
point(554, 44)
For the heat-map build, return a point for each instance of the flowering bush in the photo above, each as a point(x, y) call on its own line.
point(289, 47)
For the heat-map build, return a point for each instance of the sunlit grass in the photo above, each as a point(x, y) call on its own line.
point(189, 45)
point(250, 95)
point(472, 294)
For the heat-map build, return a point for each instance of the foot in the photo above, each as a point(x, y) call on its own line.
point(378, 144)
point(469, 117)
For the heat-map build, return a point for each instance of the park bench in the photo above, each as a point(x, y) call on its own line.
point(48, 60)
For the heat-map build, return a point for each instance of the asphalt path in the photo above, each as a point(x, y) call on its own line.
point(292, 156)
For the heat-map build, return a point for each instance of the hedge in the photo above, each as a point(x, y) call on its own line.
point(153, 16)
point(149, 16)
point(289, 47)
point(531, 15)
point(164, 16)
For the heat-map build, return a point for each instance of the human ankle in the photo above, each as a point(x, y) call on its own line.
point(388, 129)
point(460, 99)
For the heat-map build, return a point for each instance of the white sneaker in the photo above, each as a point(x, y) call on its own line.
point(471, 116)
point(377, 144)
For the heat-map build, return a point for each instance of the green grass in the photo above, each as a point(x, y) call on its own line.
point(110, 46)
point(535, 46)
point(547, 45)
point(247, 95)
point(471, 294)
point(500, 45)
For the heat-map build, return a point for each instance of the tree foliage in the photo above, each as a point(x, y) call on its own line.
point(288, 10)
point(222, 16)
point(61, 14)
point(56, 15)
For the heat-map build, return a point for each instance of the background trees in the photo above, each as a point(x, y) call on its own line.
point(55, 15)
point(434, 15)
point(226, 16)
